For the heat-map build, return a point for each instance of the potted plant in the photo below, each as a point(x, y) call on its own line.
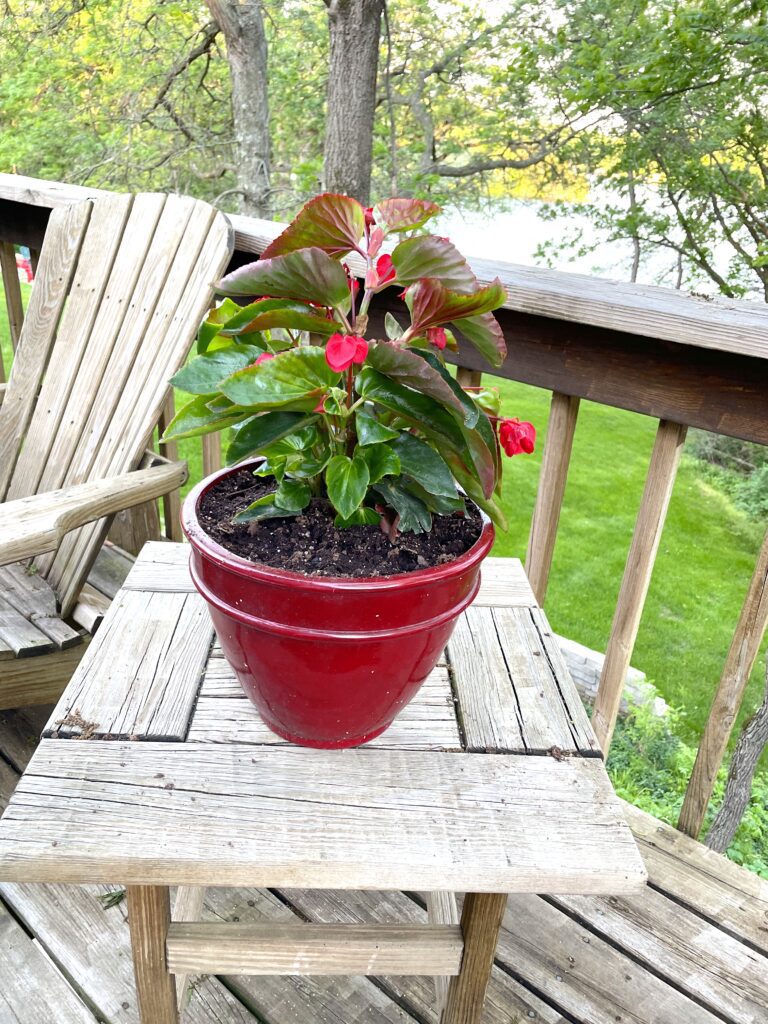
point(339, 548)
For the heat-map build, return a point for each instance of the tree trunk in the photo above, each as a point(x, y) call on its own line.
point(243, 27)
point(738, 788)
point(355, 27)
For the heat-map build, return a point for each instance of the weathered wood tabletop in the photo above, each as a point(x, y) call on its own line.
point(155, 768)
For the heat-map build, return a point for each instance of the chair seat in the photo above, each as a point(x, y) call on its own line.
point(30, 623)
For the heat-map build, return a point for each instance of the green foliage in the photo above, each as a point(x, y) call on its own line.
point(678, 150)
point(737, 467)
point(650, 766)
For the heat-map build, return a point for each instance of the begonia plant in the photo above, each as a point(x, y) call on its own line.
point(376, 426)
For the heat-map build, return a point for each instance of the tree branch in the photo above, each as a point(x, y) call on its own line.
point(209, 31)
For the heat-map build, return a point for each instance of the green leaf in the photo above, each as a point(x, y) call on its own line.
point(269, 313)
point(483, 455)
point(430, 256)
point(471, 411)
point(360, 517)
point(293, 495)
point(420, 460)
point(466, 480)
point(381, 461)
point(298, 377)
point(433, 304)
point(485, 334)
point(403, 214)
point(211, 326)
point(308, 275)
point(347, 483)
point(408, 368)
point(260, 432)
point(203, 374)
point(196, 418)
point(438, 503)
point(263, 508)
point(370, 430)
point(415, 517)
point(333, 223)
point(392, 327)
point(419, 410)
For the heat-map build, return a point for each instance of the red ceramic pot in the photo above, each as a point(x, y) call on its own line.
point(328, 661)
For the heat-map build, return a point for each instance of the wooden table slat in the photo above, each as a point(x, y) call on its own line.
point(141, 673)
point(175, 813)
point(514, 690)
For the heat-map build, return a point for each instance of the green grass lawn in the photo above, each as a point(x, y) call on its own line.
point(707, 552)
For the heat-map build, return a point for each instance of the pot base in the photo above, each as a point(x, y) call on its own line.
point(340, 744)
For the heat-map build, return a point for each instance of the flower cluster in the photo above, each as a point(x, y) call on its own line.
point(378, 427)
point(517, 438)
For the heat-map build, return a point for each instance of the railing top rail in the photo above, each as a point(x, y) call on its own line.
point(725, 325)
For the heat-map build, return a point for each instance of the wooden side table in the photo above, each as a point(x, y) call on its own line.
point(490, 782)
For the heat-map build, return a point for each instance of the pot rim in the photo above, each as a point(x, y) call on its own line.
point(203, 542)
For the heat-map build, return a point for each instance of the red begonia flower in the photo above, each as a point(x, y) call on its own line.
point(382, 274)
point(369, 216)
point(263, 358)
point(344, 349)
point(436, 337)
point(517, 438)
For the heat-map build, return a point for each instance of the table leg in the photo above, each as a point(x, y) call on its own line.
point(149, 915)
point(481, 918)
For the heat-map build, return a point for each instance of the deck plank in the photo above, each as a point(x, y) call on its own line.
point(729, 896)
point(175, 813)
point(583, 975)
point(91, 945)
point(299, 1000)
point(30, 983)
point(725, 975)
point(507, 1000)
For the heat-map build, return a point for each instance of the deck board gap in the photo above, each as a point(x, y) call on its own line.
point(457, 709)
point(540, 994)
point(399, 1000)
point(709, 919)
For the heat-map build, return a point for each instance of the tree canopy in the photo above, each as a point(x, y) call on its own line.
point(655, 107)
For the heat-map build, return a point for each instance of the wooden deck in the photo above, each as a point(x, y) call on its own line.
point(692, 949)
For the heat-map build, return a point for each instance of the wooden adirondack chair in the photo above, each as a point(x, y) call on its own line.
point(121, 287)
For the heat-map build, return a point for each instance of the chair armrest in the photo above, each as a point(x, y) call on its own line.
point(31, 526)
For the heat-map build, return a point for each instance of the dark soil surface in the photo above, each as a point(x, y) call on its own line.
point(311, 544)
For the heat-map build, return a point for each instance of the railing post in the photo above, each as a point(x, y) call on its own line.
point(742, 653)
point(637, 577)
point(563, 413)
point(211, 453)
point(469, 378)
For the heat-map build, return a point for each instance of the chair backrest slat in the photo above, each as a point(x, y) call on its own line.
point(119, 327)
point(67, 227)
point(122, 284)
point(73, 368)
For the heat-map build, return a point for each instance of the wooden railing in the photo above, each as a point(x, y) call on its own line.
point(685, 361)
